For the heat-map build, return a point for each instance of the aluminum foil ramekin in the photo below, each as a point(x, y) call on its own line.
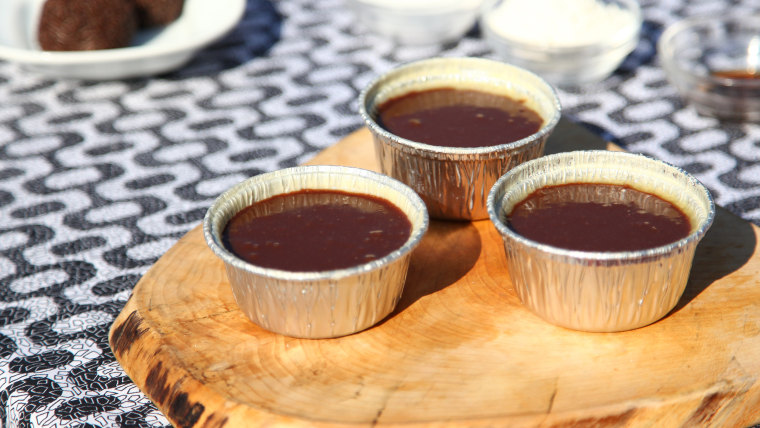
point(454, 182)
point(316, 304)
point(600, 291)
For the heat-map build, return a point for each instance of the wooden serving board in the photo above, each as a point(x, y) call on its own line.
point(460, 349)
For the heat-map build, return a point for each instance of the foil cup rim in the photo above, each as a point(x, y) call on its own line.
point(436, 151)
point(213, 240)
point(494, 203)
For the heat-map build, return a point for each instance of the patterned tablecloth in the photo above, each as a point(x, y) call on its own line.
point(98, 179)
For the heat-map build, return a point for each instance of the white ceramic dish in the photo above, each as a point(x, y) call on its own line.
point(154, 51)
point(586, 57)
point(418, 22)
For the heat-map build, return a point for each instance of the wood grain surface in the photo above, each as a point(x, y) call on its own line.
point(460, 349)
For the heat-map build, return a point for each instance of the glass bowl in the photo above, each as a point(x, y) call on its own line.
point(454, 181)
point(600, 291)
point(714, 63)
point(566, 43)
point(319, 304)
point(418, 22)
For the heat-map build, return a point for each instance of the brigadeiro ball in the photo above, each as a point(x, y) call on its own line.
point(153, 13)
point(67, 25)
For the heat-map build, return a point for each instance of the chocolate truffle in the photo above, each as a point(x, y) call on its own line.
point(153, 13)
point(67, 25)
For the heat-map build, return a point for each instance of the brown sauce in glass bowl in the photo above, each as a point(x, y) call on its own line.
point(737, 74)
point(458, 118)
point(316, 230)
point(598, 217)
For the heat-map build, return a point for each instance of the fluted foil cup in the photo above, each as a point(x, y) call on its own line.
point(454, 181)
point(600, 291)
point(316, 304)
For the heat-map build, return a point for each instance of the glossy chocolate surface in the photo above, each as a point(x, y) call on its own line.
point(598, 217)
point(316, 230)
point(458, 118)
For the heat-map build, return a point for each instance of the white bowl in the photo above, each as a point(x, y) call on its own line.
point(154, 51)
point(554, 47)
point(418, 22)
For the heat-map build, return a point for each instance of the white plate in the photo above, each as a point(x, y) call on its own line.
point(154, 51)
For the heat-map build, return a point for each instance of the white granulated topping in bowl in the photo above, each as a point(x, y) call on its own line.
point(559, 22)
